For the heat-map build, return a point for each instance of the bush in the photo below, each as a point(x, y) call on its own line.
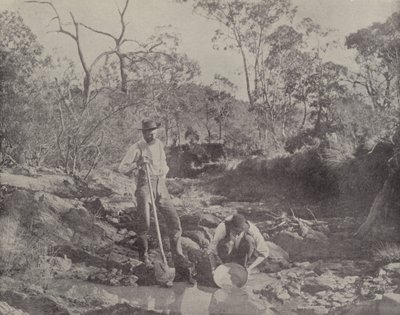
point(24, 255)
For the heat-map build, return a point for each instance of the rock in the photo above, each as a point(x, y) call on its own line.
point(322, 283)
point(59, 185)
point(312, 310)
point(145, 275)
point(188, 244)
point(316, 235)
point(77, 255)
point(393, 267)
point(106, 180)
point(116, 204)
point(209, 220)
point(300, 248)
point(95, 207)
point(276, 260)
point(113, 278)
point(176, 187)
point(58, 264)
point(390, 304)
point(88, 232)
point(36, 304)
point(197, 236)
point(121, 309)
point(276, 252)
point(217, 200)
point(189, 221)
point(5, 308)
point(57, 204)
point(37, 216)
point(275, 292)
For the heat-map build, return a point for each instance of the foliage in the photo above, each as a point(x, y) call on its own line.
point(378, 48)
point(24, 254)
point(20, 56)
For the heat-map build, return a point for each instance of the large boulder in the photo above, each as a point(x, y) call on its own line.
point(112, 181)
point(56, 220)
point(313, 246)
point(59, 185)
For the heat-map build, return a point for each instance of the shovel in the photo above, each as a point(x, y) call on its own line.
point(163, 273)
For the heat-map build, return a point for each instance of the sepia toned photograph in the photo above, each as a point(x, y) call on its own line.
point(200, 157)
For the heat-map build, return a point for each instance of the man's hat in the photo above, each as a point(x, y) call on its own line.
point(239, 222)
point(148, 124)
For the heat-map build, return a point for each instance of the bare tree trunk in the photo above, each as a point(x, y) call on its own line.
point(304, 115)
point(220, 131)
point(124, 76)
point(379, 206)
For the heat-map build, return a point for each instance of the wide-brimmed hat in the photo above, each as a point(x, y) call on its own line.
point(148, 124)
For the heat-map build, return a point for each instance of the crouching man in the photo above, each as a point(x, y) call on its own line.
point(237, 240)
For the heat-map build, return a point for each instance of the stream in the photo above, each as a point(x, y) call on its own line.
point(182, 298)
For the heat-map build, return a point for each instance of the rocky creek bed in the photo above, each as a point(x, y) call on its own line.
point(83, 258)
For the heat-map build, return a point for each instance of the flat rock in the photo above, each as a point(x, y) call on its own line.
point(316, 284)
point(37, 304)
point(312, 310)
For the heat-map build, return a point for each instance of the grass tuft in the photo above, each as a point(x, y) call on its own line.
point(387, 253)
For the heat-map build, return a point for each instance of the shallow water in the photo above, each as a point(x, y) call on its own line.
point(379, 307)
point(180, 299)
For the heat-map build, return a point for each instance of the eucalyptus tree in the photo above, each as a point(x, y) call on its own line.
point(378, 56)
point(20, 57)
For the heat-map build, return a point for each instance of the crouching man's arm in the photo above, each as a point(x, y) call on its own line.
point(261, 248)
point(212, 251)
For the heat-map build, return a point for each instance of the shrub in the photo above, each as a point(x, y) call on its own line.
point(24, 255)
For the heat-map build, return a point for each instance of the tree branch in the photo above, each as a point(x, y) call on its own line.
point(98, 31)
point(101, 121)
point(57, 17)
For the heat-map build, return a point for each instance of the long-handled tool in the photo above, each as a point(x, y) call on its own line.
point(163, 273)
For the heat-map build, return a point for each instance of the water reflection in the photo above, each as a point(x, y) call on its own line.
point(181, 299)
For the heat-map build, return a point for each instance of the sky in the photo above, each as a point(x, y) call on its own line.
point(345, 16)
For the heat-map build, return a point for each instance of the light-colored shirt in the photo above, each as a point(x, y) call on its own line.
point(154, 153)
point(220, 234)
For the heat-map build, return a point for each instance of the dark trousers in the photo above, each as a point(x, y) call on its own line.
point(227, 252)
point(165, 207)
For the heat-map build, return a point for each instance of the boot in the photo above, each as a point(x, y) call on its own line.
point(143, 247)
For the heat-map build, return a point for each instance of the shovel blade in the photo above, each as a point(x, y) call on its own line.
point(163, 273)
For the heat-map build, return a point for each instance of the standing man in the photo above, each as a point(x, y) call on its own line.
point(237, 240)
point(150, 151)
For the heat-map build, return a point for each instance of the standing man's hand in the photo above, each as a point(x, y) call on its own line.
point(143, 161)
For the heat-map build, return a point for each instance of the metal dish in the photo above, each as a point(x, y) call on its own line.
point(230, 275)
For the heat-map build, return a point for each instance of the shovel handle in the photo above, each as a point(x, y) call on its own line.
point(153, 203)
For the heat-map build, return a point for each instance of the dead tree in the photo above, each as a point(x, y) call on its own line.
point(131, 57)
point(88, 69)
point(380, 206)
